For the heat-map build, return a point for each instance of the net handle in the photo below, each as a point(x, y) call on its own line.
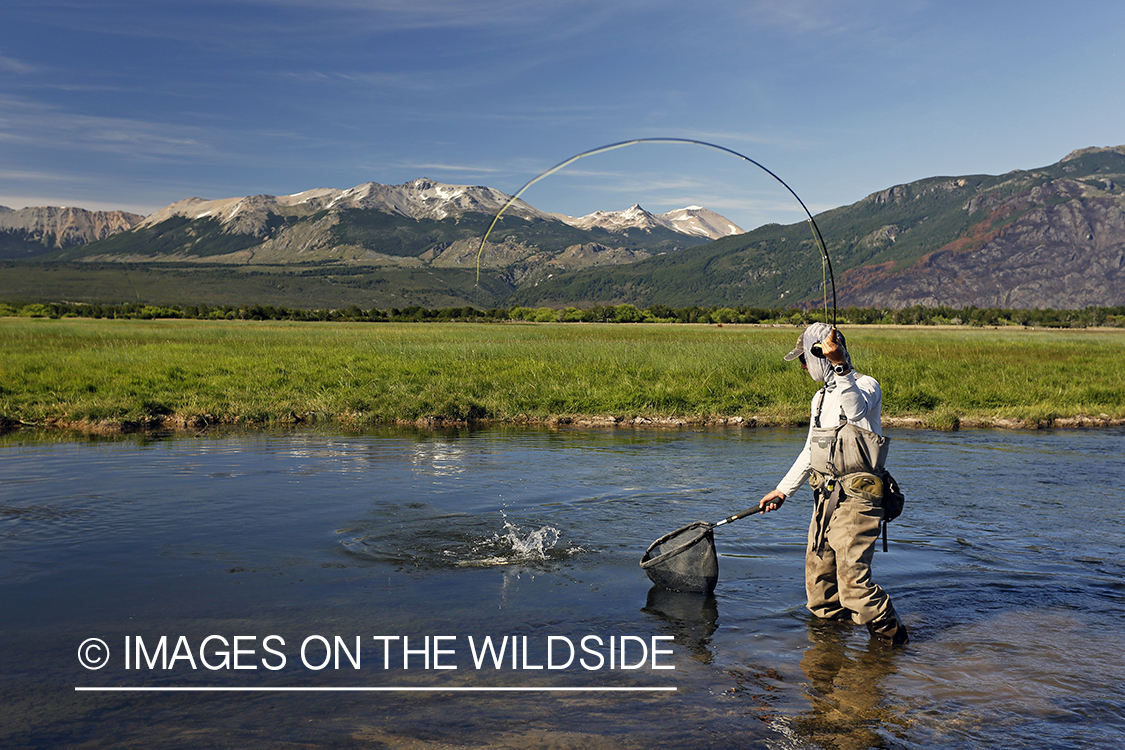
point(756, 510)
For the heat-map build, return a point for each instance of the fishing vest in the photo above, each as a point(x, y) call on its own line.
point(845, 448)
point(849, 459)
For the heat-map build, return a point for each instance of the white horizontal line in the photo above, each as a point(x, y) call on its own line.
point(368, 689)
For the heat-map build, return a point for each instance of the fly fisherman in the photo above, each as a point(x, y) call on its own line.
point(848, 509)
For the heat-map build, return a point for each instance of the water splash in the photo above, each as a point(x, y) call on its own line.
point(515, 546)
point(459, 541)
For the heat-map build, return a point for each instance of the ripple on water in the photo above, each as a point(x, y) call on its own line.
point(1031, 675)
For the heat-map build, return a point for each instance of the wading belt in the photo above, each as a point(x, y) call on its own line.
point(860, 485)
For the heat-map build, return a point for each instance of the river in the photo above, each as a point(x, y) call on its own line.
point(481, 588)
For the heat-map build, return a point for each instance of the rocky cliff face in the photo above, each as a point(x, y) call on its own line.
point(1059, 245)
point(30, 230)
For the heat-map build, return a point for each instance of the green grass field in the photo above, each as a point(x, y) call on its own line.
point(97, 373)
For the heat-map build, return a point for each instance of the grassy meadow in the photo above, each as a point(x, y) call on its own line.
point(98, 374)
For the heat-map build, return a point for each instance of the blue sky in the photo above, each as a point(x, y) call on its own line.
point(134, 105)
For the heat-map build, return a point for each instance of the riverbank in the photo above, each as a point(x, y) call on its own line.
point(111, 376)
point(198, 423)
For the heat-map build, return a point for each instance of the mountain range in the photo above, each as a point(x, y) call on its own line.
point(1047, 237)
point(1051, 237)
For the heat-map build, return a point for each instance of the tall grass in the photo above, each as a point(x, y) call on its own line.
point(90, 371)
point(951, 377)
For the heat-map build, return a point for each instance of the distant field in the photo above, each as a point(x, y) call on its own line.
point(295, 285)
point(105, 374)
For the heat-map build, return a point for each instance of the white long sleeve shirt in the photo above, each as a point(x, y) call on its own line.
point(861, 400)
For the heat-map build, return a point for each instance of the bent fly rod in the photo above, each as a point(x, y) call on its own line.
point(828, 278)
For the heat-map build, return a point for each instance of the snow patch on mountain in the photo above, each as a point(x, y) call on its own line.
point(692, 220)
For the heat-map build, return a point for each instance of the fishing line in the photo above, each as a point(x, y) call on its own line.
point(827, 276)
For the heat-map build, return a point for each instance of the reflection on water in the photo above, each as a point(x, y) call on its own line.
point(848, 706)
point(439, 458)
point(692, 618)
point(1005, 565)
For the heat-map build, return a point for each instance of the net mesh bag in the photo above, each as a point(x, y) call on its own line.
point(684, 560)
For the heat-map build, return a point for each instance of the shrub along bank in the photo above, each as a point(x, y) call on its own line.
point(1090, 317)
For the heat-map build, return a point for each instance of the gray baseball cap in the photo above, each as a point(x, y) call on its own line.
point(815, 333)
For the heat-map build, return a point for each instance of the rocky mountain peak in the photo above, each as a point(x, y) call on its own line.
point(1078, 153)
point(59, 226)
point(692, 220)
point(422, 198)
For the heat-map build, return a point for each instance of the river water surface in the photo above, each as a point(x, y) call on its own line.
point(407, 589)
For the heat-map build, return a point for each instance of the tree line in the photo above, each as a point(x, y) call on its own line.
point(625, 313)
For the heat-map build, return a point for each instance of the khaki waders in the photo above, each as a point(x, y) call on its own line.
point(841, 546)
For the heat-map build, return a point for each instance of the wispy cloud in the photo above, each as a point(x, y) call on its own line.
point(733, 138)
point(830, 17)
point(256, 27)
point(402, 15)
point(32, 123)
point(12, 65)
point(454, 168)
point(29, 200)
point(412, 82)
point(26, 175)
